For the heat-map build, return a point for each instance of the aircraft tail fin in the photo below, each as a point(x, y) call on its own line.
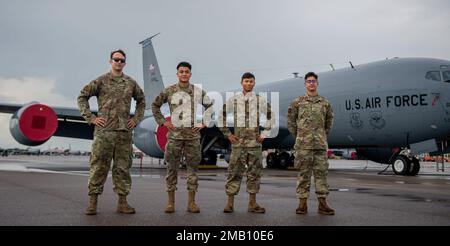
point(153, 83)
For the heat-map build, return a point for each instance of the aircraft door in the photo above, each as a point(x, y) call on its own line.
point(445, 96)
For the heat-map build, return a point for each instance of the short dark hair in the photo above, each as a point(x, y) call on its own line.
point(184, 64)
point(311, 74)
point(117, 51)
point(247, 75)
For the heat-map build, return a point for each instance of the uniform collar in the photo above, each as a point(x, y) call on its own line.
point(312, 98)
point(189, 88)
point(248, 95)
point(114, 77)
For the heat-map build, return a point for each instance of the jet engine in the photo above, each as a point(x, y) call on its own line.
point(33, 124)
point(151, 138)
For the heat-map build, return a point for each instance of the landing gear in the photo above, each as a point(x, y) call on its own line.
point(284, 160)
point(272, 160)
point(209, 158)
point(401, 165)
point(405, 164)
point(280, 160)
point(415, 167)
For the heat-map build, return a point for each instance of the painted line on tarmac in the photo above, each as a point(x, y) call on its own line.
point(21, 168)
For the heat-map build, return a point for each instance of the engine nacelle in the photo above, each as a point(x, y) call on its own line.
point(151, 138)
point(33, 124)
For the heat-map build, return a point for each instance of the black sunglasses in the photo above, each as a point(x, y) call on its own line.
point(119, 60)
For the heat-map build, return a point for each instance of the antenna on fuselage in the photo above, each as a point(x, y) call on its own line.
point(332, 67)
point(351, 65)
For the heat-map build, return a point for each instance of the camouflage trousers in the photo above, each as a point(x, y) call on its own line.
point(311, 162)
point(244, 159)
point(176, 151)
point(107, 146)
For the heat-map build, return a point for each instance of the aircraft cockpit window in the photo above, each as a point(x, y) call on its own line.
point(446, 75)
point(433, 75)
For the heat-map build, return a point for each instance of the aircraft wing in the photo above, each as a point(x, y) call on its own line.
point(9, 108)
point(61, 112)
point(70, 123)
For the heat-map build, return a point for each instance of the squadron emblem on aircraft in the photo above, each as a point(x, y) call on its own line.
point(355, 121)
point(376, 120)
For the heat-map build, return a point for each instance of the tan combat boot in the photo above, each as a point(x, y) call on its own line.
point(302, 206)
point(192, 207)
point(170, 208)
point(123, 206)
point(92, 208)
point(253, 206)
point(230, 204)
point(323, 207)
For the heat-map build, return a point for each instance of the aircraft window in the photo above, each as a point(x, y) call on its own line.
point(433, 75)
point(446, 75)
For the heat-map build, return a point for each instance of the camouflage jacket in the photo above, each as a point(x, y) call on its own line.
point(183, 107)
point(114, 101)
point(246, 111)
point(310, 120)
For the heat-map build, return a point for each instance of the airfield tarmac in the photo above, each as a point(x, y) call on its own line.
point(52, 190)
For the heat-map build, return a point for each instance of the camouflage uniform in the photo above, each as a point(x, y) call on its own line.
point(183, 141)
point(246, 154)
point(114, 141)
point(310, 120)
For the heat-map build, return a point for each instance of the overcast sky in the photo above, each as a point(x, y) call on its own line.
point(52, 48)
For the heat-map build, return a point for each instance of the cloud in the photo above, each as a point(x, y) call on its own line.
point(27, 89)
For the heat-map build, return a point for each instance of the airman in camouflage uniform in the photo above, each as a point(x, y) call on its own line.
point(310, 118)
point(113, 129)
point(246, 140)
point(184, 132)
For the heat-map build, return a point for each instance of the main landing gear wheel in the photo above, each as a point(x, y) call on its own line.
point(401, 165)
point(284, 160)
point(271, 160)
point(209, 158)
point(279, 160)
point(415, 167)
